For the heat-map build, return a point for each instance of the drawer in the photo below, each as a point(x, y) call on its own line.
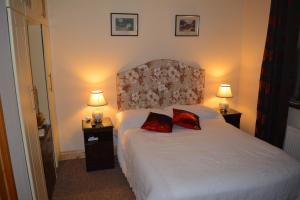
point(99, 150)
point(93, 137)
point(99, 156)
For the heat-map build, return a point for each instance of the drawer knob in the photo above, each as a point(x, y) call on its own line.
point(91, 139)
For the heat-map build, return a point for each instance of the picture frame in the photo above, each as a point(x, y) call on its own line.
point(187, 25)
point(124, 24)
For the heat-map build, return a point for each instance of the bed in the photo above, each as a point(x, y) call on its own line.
point(217, 162)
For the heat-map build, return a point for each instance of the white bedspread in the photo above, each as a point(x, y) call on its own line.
point(217, 162)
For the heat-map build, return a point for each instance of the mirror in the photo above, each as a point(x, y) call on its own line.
point(35, 39)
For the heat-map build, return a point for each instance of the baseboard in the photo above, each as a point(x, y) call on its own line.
point(70, 155)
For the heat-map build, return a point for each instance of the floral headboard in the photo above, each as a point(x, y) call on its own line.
point(160, 83)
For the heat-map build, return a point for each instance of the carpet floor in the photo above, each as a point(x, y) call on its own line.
point(75, 183)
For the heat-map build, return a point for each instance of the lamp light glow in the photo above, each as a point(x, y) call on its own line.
point(96, 99)
point(224, 91)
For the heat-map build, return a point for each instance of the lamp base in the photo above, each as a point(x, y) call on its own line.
point(97, 117)
point(224, 107)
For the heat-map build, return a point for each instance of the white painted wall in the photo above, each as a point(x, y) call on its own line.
point(86, 57)
point(10, 109)
point(255, 24)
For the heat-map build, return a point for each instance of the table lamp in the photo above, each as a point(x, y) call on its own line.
point(224, 92)
point(96, 100)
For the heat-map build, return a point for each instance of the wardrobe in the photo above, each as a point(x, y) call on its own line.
point(31, 59)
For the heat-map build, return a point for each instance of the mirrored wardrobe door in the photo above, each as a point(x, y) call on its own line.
point(41, 96)
point(39, 75)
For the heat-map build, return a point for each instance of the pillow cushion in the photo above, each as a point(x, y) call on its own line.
point(186, 119)
point(158, 122)
point(128, 119)
point(203, 112)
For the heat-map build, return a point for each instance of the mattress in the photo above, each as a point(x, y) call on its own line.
point(217, 162)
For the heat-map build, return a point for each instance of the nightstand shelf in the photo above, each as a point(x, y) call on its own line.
point(232, 117)
point(98, 143)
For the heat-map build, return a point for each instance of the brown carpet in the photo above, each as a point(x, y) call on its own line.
point(74, 183)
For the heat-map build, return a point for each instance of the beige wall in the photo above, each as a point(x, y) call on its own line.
point(255, 24)
point(86, 57)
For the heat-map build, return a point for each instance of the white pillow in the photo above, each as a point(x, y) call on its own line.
point(203, 112)
point(135, 118)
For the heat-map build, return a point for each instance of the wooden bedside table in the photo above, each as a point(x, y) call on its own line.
point(232, 117)
point(98, 143)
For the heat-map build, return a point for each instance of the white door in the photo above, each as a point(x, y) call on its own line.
point(24, 90)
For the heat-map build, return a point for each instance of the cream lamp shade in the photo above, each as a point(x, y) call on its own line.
point(224, 91)
point(96, 99)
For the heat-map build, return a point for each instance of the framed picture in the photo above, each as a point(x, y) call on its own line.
point(187, 25)
point(124, 24)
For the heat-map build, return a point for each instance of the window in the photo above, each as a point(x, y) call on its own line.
point(295, 99)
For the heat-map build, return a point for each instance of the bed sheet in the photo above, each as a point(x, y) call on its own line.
point(217, 162)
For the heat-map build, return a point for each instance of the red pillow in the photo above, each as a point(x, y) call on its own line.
point(186, 119)
point(158, 122)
